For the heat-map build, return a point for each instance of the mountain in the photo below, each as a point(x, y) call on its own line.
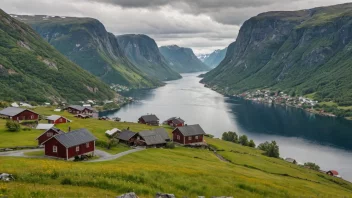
point(144, 53)
point(86, 42)
point(202, 57)
point(214, 59)
point(182, 59)
point(301, 52)
point(32, 70)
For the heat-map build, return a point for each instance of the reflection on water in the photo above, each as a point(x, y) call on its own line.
point(301, 135)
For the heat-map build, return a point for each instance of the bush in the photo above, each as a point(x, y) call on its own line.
point(13, 126)
point(243, 140)
point(170, 145)
point(312, 166)
point(271, 149)
point(230, 136)
point(66, 181)
point(251, 144)
point(26, 129)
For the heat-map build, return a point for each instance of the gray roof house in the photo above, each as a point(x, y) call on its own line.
point(126, 135)
point(149, 119)
point(10, 112)
point(74, 138)
point(155, 137)
point(191, 130)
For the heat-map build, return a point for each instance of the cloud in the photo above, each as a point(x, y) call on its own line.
point(203, 25)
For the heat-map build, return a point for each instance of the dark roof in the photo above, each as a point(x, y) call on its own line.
point(150, 118)
point(80, 108)
point(163, 133)
point(12, 111)
point(126, 135)
point(55, 117)
point(178, 121)
point(75, 137)
point(170, 119)
point(152, 137)
point(191, 130)
point(53, 129)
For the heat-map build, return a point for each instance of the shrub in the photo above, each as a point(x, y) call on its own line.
point(271, 149)
point(243, 140)
point(66, 181)
point(251, 144)
point(230, 136)
point(170, 145)
point(312, 166)
point(27, 129)
point(13, 126)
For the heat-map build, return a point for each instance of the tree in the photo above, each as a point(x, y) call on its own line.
point(271, 149)
point(243, 140)
point(251, 144)
point(230, 136)
point(312, 166)
point(13, 126)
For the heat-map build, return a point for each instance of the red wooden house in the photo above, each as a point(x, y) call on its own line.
point(333, 173)
point(189, 134)
point(127, 137)
point(149, 119)
point(48, 134)
point(175, 122)
point(56, 119)
point(69, 145)
point(18, 114)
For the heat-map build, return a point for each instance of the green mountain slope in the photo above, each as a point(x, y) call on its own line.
point(182, 59)
point(32, 70)
point(302, 52)
point(215, 58)
point(144, 53)
point(86, 42)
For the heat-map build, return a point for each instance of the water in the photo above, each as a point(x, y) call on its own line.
point(300, 135)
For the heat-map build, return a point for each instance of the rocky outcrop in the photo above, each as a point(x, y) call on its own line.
point(300, 52)
point(142, 51)
point(182, 59)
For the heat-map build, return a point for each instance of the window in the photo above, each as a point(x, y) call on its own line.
point(54, 149)
point(196, 137)
point(77, 148)
point(32, 116)
point(190, 138)
point(60, 119)
point(49, 134)
point(87, 145)
point(178, 137)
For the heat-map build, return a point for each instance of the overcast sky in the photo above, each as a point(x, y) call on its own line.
point(203, 25)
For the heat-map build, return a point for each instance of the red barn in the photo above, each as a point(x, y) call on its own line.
point(56, 119)
point(175, 122)
point(149, 119)
point(71, 144)
point(189, 134)
point(333, 173)
point(18, 114)
point(48, 134)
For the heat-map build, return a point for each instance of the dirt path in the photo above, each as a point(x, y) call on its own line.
point(20, 153)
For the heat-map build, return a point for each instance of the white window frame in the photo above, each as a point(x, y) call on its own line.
point(32, 116)
point(190, 138)
point(196, 137)
point(77, 148)
point(54, 149)
point(87, 145)
point(178, 137)
point(49, 134)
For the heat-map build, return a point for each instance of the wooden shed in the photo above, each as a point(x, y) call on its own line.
point(190, 134)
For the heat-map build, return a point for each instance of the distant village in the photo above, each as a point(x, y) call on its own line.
point(281, 98)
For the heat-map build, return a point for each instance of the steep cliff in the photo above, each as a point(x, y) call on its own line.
point(182, 59)
point(86, 42)
point(214, 59)
point(302, 52)
point(144, 53)
point(32, 70)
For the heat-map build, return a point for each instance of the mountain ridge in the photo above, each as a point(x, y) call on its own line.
point(213, 59)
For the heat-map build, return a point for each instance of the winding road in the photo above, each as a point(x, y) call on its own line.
point(103, 156)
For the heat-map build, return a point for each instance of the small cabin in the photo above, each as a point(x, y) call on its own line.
point(18, 114)
point(333, 173)
point(48, 134)
point(188, 135)
point(126, 136)
point(175, 122)
point(56, 119)
point(71, 144)
point(76, 109)
point(152, 138)
point(149, 119)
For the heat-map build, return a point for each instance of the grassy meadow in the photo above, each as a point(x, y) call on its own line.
point(181, 171)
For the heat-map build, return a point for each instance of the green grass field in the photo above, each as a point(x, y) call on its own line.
point(181, 171)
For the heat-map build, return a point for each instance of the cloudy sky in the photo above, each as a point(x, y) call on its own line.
point(203, 25)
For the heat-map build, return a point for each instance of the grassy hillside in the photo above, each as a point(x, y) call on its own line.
point(300, 52)
point(32, 70)
point(143, 51)
point(182, 171)
point(86, 42)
